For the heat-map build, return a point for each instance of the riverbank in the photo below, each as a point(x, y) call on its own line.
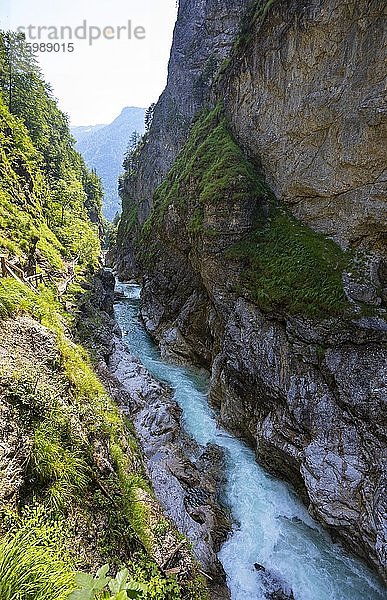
point(186, 478)
point(74, 493)
point(272, 530)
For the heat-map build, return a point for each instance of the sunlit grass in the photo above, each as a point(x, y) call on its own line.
point(34, 561)
point(62, 469)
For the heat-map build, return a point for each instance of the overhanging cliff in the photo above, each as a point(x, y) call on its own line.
point(305, 94)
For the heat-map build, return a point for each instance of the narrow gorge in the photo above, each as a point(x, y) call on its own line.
point(254, 215)
point(193, 397)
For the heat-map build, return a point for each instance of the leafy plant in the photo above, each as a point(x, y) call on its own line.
point(120, 588)
point(160, 588)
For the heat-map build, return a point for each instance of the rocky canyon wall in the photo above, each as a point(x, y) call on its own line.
point(305, 94)
point(261, 253)
point(202, 40)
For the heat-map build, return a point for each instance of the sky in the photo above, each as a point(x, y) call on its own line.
point(95, 81)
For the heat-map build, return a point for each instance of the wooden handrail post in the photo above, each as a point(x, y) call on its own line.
point(8, 269)
point(3, 265)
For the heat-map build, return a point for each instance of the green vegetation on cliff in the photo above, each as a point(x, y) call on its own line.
point(210, 169)
point(284, 265)
point(256, 13)
point(73, 490)
point(288, 267)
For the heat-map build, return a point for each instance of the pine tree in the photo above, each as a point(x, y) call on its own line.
point(149, 117)
point(50, 180)
point(20, 75)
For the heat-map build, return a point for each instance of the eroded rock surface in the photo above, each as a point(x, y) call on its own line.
point(306, 98)
point(186, 488)
point(304, 95)
point(315, 410)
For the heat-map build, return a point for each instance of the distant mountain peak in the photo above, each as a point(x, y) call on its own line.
point(103, 148)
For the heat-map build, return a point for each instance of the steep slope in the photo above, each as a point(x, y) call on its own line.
point(103, 149)
point(44, 218)
point(282, 297)
point(197, 52)
point(73, 489)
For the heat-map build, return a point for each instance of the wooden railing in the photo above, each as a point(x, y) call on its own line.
point(34, 279)
point(71, 276)
point(8, 269)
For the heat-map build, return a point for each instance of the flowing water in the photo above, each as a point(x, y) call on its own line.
point(272, 526)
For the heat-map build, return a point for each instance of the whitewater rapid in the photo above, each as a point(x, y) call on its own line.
point(271, 525)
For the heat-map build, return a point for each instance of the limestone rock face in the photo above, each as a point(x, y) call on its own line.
point(315, 410)
point(306, 99)
point(203, 36)
point(303, 93)
point(309, 396)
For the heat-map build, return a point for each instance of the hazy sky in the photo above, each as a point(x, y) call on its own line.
point(96, 81)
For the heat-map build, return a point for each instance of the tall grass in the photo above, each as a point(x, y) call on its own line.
point(62, 469)
point(34, 562)
point(131, 483)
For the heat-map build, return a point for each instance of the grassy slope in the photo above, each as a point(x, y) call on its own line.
point(285, 266)
point(83, 498)
point(84, 476)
